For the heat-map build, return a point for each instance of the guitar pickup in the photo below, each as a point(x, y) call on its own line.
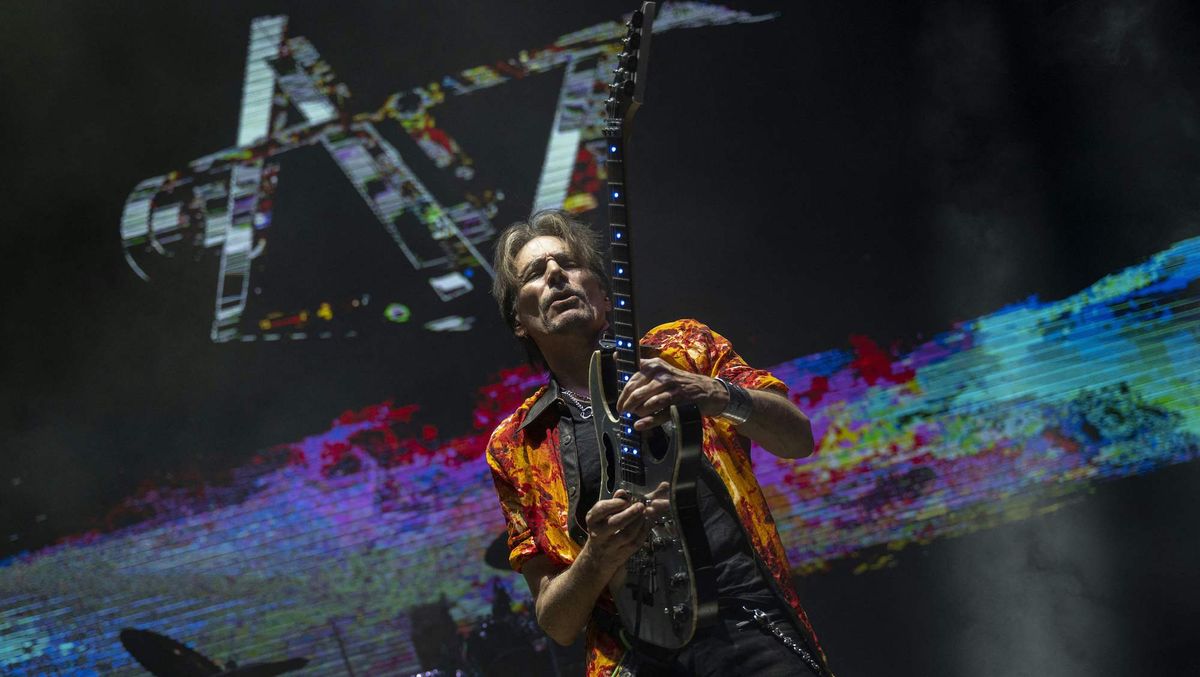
point(642, 585)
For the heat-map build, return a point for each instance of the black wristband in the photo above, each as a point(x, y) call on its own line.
point(740, 405)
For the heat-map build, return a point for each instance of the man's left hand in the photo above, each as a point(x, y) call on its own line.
point(658, 385)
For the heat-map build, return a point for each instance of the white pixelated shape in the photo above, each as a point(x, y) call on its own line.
point(451, 323)
point(450, 285)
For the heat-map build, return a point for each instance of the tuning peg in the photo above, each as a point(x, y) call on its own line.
point(632, 41)
point(629, 63)
point(635, 19)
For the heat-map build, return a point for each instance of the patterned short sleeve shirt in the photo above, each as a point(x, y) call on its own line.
point(528, 475)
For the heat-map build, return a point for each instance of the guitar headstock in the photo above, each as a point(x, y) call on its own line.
point(629, 79)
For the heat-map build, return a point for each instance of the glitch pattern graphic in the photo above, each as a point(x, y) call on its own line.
point(1003, 418)
point(361, 534)
point(222, 205)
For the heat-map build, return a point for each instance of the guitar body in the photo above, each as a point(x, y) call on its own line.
point(668, 589)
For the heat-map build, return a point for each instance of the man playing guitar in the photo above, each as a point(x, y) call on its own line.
point(553, 289)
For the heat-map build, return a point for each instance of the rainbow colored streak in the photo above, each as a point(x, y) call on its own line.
point(1002, 418)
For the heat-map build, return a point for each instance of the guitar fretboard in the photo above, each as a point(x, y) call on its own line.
point(624, 327)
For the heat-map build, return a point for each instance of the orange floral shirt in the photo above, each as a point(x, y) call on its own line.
point(529, 479)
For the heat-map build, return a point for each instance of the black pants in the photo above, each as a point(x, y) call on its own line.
point(726, 650)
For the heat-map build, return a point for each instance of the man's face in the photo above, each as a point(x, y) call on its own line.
point(558, 295)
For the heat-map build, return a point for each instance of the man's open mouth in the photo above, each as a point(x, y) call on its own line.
point(559, 304)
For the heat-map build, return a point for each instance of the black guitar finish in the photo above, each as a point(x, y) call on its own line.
point(668, 588)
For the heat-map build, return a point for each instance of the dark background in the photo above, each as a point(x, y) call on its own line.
point(882, 168)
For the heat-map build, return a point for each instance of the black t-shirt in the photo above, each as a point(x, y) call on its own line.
point(739, 580)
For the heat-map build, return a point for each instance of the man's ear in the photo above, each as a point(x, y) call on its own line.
point(519, 329)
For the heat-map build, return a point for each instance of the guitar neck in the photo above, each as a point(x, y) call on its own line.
point(624, 325)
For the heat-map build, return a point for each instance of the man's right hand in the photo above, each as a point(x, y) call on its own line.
point(616, 528)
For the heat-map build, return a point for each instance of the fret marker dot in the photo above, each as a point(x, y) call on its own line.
point(616, 195)
point(612, 149)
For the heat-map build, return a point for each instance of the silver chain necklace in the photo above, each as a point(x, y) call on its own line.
point(583, 404)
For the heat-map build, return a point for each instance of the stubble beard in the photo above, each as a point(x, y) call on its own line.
point(571, 319)
point(577, 320)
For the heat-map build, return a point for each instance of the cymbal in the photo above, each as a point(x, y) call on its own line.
point(164, 657)
point(266, 669)
point(496, 555)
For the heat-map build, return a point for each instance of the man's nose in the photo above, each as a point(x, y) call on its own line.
point(554, 271)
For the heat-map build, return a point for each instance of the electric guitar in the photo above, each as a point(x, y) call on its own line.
point(668, 588)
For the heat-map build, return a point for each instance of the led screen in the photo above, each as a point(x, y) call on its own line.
point(372, 542)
